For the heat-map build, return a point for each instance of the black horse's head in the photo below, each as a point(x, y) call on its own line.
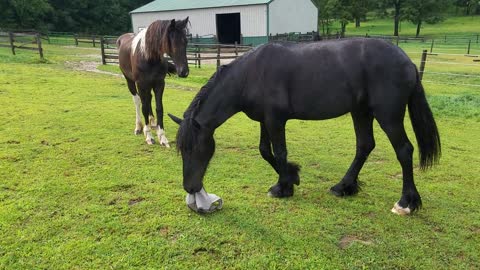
point(196, 145)
point(169, 37)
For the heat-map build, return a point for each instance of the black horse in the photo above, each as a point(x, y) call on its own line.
point(281, 81)
point(141, 59)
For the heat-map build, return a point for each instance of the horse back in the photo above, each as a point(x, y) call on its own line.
point(327, 79)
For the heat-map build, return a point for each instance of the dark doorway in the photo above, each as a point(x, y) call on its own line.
point(228, 28)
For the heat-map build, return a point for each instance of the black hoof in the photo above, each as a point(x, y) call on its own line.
point(341, 189)
point(277, 191)
point(138, 132)
point(411, 200)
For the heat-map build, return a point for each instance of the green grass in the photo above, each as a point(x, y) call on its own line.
point(468, 25)
point(79, 191)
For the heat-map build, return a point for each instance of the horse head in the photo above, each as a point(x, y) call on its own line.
point(196, 145)
point(177, 43)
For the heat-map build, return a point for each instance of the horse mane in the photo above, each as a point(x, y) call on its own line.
point(156, 40)
point(188, 131)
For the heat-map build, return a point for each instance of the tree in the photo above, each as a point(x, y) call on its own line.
point(359, 10)
point(468, 6)
point(341, 10)
point(429, 11)
point(25, 13)
point(397, 5)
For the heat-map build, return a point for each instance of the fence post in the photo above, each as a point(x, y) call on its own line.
point(218, 56)
point(10, 35)
point(422, 64)
point(93, 39)
point(76, 39)
point(198, 57)
point(236, 50)
point(102, 49)
point(39, 44)
point(431, 47)
point(398, 38)
point(477, 37)
point(469, 43)
point(445, 38)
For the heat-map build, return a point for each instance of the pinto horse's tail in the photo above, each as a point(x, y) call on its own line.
point(425, 128)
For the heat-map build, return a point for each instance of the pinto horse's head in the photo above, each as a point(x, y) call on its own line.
point(168, 37)
point(177, 42)
point(196, 144)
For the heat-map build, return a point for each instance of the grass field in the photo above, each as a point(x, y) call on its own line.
point(79, 191)
point(467, 25)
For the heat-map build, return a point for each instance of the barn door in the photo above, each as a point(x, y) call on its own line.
point(228, 28)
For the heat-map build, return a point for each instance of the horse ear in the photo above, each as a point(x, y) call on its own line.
point(172, 24)
point(175, 119)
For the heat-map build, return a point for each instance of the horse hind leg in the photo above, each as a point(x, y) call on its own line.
point(363, 123)
point(410, 199)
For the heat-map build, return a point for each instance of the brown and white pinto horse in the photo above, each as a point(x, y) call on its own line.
point(142, 62)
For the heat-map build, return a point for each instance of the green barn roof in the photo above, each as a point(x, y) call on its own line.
point(169, 5)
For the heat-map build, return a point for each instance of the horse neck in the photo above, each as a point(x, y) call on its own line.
point(221, 103)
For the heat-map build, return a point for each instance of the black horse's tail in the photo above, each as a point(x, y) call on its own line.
point(425, 128)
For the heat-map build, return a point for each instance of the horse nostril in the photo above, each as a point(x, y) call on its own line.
point(184, 73)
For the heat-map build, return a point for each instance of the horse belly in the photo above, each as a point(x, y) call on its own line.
point(319, 101)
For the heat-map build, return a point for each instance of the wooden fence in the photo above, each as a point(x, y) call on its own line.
point(108, 47)
point(88, 39)
point(22, 41)
point(196, 53)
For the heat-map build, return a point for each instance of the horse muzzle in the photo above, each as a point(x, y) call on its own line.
point(192, 188)
point(183, 73)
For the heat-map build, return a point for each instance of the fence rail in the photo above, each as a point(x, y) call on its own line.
point(196, 53)
point(22, 41)
point(464, 73)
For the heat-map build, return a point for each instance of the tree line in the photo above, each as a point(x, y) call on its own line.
point(79, 16)
point(418, 12)
point(112, 16)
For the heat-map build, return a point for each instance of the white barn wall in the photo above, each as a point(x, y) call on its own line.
point(293, 16)
point(252, 18)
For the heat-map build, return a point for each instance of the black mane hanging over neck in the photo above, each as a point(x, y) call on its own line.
point(203, 93)
point(188, 131)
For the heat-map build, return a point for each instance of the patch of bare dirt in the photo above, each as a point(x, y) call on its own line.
point(89, 66)
point(348, 240)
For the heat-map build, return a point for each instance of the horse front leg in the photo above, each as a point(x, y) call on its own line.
point(274, 133)
point(265, 148)
point(162, 138)
point(146, 98)
point(138, 103)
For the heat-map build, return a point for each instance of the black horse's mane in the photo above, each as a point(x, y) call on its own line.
point(187, 133)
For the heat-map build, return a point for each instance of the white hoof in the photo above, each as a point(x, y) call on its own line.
point(162, 138)
point(397, 209)
point(148, 136)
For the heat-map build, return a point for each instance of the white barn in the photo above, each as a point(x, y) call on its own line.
point(230, 21)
